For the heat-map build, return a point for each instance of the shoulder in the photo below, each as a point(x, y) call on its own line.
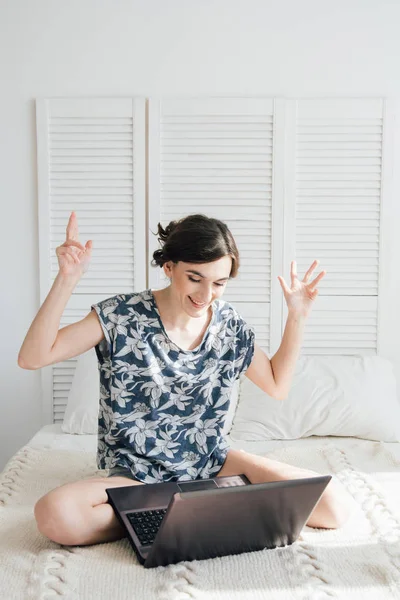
point(231, 320)
point(227, 312)
point(120, 303)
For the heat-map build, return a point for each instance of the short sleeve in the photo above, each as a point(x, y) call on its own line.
point(107, 311)
point(245, 343)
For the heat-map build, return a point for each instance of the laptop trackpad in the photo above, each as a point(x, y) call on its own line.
point(193, 486)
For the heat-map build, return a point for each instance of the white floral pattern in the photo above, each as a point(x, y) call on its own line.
point(162, 408)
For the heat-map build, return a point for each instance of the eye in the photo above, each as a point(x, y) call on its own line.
point(198, 281)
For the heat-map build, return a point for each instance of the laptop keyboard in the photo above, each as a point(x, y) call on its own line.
point(146, 523)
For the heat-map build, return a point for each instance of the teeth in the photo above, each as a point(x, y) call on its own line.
point(196, 303)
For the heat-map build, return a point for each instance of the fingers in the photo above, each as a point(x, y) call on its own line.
point(72, 227)
point(69, 248)
point(314, 282)
point(293, 275)
point(293, 271)
point(77, 244)
point(283, 284)
point(72, 251)
point(68, 253)
point(310, 270)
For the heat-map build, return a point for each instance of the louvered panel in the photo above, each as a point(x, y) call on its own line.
point(85, 140)
point(334, 214)
point(258, 316)
point(259, 213)
point(62, 375)
point(338, 191)
point(72, 315)
point(91, 159)
point(343, 325)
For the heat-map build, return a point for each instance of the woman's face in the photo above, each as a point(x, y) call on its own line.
point(196, 286)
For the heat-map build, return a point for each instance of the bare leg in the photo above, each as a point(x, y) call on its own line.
point(334, 506)
point(79, 514)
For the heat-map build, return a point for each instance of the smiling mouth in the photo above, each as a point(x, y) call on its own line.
point(196, 304)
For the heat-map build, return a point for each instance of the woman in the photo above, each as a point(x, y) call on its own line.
point(168, 359)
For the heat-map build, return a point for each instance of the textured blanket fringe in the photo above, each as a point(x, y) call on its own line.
point(11, 478)
point(316, 583)
point(385, 526)
point(50, 576)
point(310, 576)
point(307, 572)
point(179, 582)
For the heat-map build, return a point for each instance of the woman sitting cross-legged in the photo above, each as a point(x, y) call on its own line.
point(168, 359)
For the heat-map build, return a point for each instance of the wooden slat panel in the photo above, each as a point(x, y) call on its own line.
point(343, 325)
point(66, 137)
point(62, 375)
point(257, 315)
point(91, 156)
point(338, 197)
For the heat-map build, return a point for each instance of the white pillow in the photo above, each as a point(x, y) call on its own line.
point(351, 396)
point(81, 413)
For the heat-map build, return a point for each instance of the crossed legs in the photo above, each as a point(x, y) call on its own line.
point(78, 513)
point(333, 508)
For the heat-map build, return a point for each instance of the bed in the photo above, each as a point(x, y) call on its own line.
point(359, 561)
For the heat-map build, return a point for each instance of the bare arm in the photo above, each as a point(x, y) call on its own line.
point(275, 376)
point(260, 372)
point(44, 343)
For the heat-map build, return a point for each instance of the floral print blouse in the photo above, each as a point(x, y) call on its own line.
point(162, 408)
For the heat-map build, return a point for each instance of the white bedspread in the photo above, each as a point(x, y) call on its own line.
point(360, 561)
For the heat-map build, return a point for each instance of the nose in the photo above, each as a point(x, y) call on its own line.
point(208, 295)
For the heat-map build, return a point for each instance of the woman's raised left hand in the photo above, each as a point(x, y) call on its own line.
point(301, 295)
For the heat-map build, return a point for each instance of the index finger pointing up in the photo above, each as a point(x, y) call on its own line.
point(72, 227)
point(293, 270)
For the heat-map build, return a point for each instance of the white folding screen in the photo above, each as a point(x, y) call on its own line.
point(91, 159)
point(293, 179)
point(333, 212)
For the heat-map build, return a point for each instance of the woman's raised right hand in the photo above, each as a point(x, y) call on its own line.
point(73, 258)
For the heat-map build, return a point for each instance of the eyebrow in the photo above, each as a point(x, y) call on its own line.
point(204, 277)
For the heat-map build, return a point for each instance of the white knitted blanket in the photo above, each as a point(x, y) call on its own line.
point(361, 561)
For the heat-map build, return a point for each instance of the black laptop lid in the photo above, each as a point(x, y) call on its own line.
point(206, 524)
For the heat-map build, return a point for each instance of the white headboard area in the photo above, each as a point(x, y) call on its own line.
point(292, 178)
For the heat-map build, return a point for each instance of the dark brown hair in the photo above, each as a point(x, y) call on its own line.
point(196, 239)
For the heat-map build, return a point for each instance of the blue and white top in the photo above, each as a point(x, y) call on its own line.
point(162, 408)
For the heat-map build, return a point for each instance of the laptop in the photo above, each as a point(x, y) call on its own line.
point(170, 522)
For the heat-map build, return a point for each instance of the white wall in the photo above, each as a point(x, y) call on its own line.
point(50, 48)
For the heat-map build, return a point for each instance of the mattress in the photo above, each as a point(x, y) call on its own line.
point(359, 561)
